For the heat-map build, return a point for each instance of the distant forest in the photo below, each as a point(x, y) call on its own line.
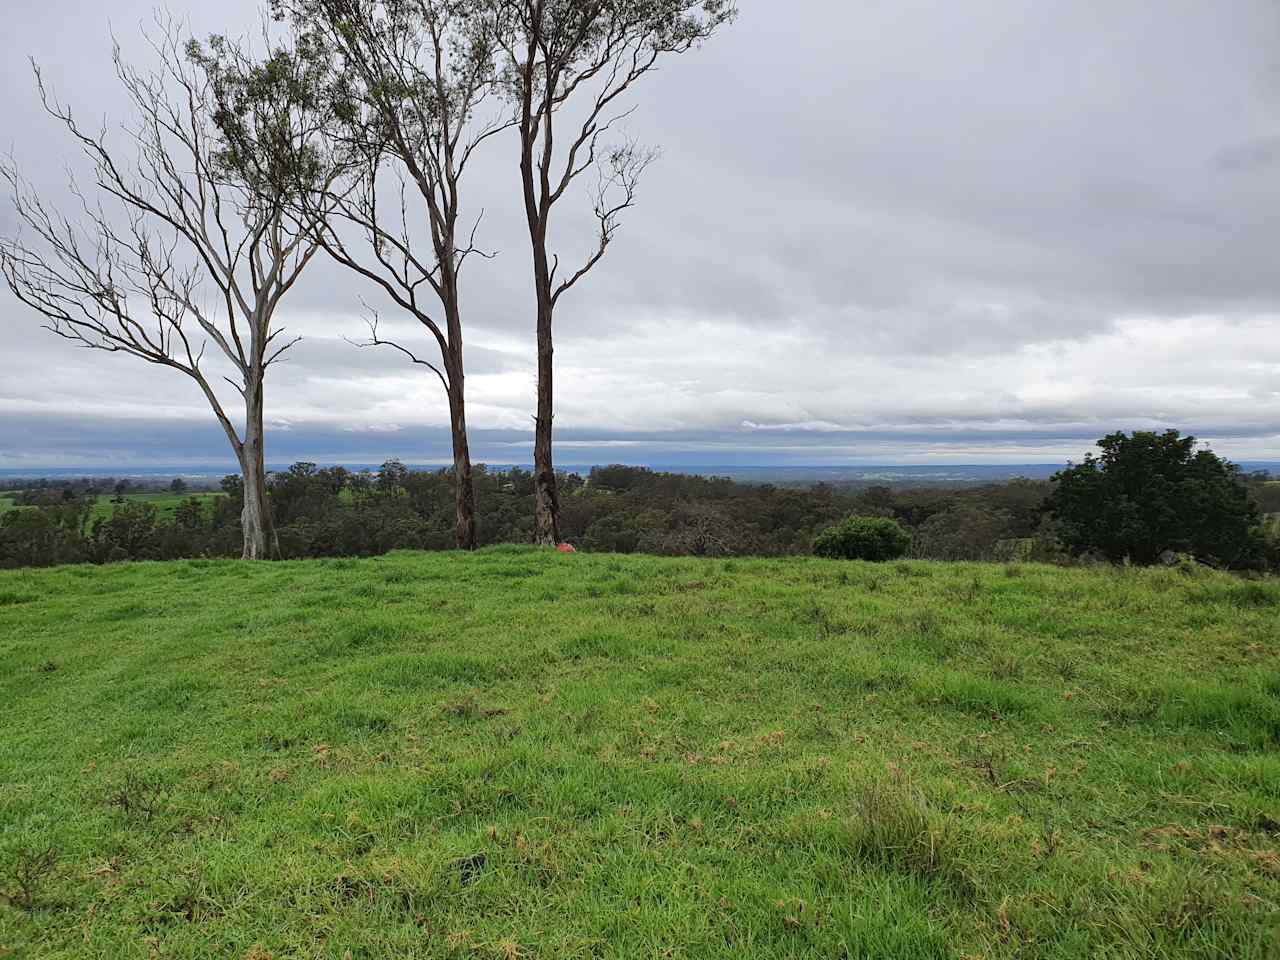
point(331, 511)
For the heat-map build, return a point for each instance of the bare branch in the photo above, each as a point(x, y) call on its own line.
point(375, 341)
point(197, 198)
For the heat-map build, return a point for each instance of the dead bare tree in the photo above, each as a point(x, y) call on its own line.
point(414, 75)
point(568, 63)
point(192, 242)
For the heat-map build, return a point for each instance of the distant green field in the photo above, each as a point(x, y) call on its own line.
point(165, 503)
point(522, 754)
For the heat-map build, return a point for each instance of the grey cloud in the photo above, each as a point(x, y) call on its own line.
point(355, 358)
point(1255, 156)
point(922, 219)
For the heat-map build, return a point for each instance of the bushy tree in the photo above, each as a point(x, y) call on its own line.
point(1266, 492)
point(965, 532)
point(130, 533)
point(614, 533)
point(863, 538)
point(39, 538)
point(1149, 493)
point(304, 491)
point(391, 478)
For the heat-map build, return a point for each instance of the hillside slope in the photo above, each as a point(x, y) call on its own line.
point(525, 754)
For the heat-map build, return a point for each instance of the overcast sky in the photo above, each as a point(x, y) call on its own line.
point(881, 231)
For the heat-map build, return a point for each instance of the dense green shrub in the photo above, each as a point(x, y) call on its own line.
point(962, 533)
point(130, 533)
point(863, 538)
point(613, 533)
point(36, 538)
point(1149, 494)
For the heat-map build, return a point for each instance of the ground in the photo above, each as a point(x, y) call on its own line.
point(527, 754)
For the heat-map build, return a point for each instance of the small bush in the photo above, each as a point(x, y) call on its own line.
point(137, 797)
point(863, 538)
point(26, 877)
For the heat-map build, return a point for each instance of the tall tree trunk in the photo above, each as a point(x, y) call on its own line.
point(537, 202)
point(260, 540)
point(546, 498)
point(463, 482)
point(464, 488)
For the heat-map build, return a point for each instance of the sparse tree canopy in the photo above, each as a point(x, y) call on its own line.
point(1149, 493)
point(409, 82)
point(567, 64)
point(190, 238)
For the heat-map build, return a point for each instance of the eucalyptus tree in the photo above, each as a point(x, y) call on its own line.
point(412, 78)
point(567, 65)
point(188, 241)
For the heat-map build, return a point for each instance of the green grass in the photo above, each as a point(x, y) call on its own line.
point(525, 754)
point(165, 503)
point(7, 504)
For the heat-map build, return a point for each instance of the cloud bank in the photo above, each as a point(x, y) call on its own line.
point(878, 233)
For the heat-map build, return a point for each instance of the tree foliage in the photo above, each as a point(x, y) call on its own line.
point(863, 538)
point(332, 511)
point(1149, 493)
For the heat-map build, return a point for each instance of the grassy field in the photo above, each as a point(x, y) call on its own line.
point(525, 754)
point(6, 503)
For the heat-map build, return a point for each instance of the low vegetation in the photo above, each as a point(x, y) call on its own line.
point(329, 512)
point(517, 753)
point(863, 538)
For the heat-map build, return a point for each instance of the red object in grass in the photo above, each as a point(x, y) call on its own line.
point(566, 548)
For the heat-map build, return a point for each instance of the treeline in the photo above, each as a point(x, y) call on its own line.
point(328, 512)
point(36, 490)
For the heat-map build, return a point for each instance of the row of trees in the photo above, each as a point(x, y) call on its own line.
point(351, 136)
point(1149, 495)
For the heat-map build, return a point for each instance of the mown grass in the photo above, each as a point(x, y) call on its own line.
point(524, 754)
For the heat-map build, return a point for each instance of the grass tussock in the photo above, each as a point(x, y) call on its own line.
point(893, 825)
